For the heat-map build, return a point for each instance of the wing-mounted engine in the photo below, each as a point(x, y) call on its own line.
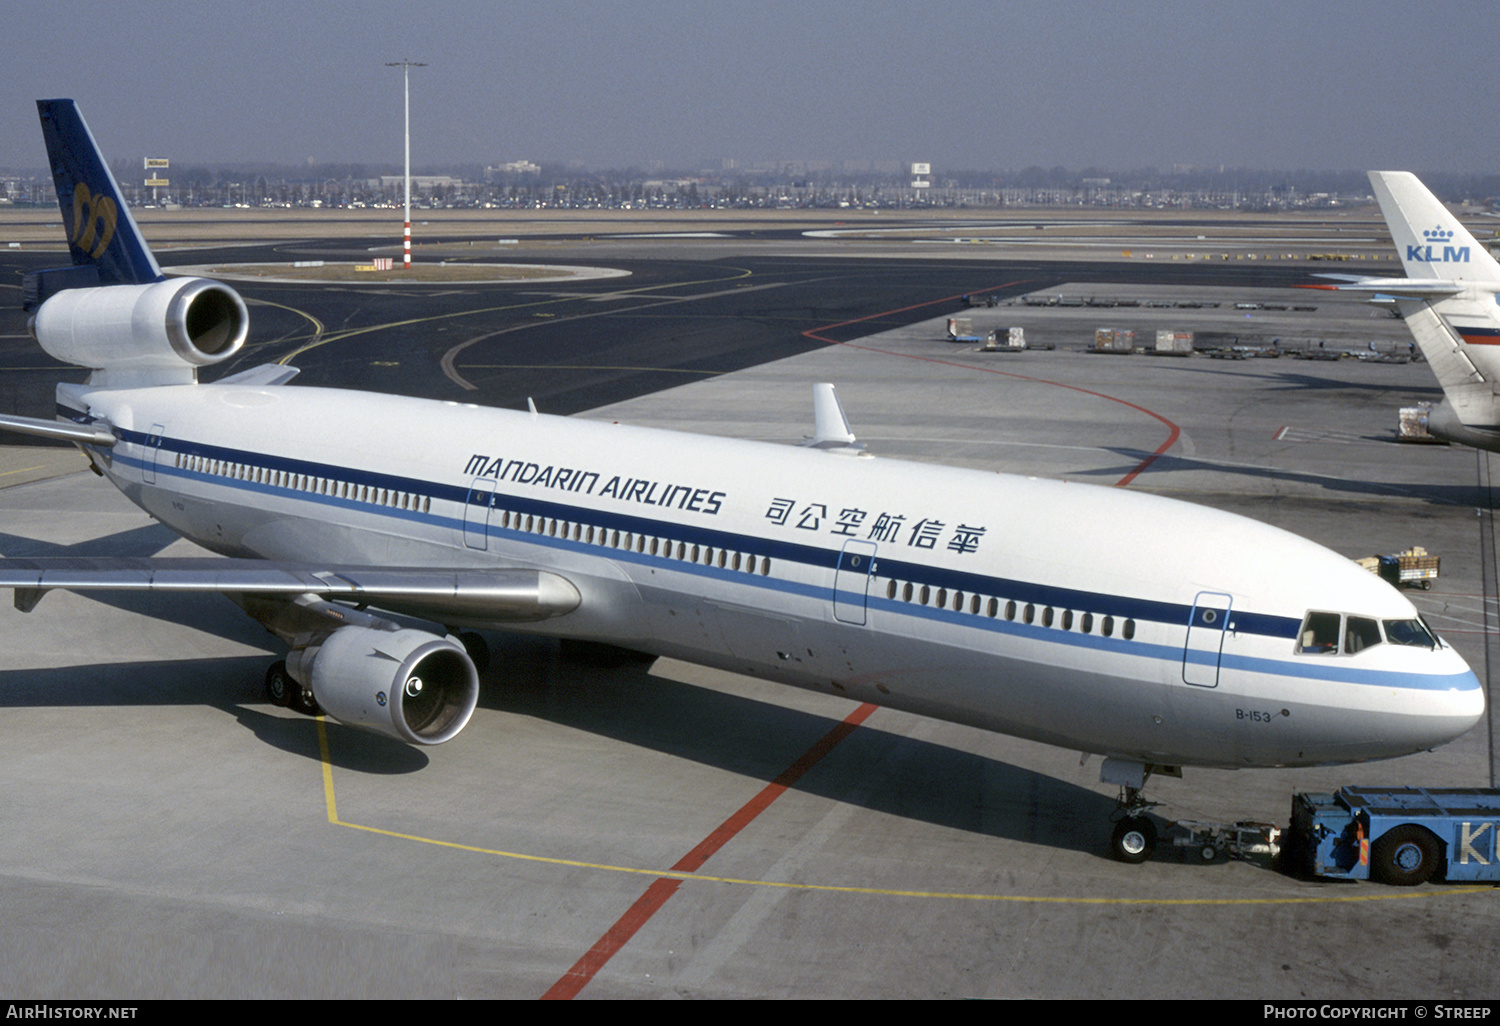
point(133, 335)
point(406, 684)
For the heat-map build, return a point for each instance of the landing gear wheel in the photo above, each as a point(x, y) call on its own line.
point(302, 701)
point(1134, 839)
point(1209, 853)
point(279, 684)
point(1405, 856)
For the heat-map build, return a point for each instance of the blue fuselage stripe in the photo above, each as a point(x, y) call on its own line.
point(919, 574)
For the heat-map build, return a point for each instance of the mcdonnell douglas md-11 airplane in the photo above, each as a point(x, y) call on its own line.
point(974, 597)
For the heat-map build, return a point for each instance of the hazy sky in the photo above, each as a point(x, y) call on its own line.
point(964, 84)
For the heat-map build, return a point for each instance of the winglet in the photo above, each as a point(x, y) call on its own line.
point(830, 426)
point(102, 234)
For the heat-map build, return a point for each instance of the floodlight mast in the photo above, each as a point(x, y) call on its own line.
point(406, 66)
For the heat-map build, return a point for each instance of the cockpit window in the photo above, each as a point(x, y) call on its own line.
point(1320, 633)
point(1360, 633)
point(1409, 632)
point(1331, 633)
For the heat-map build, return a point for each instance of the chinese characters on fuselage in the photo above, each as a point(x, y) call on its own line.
point(890, 528)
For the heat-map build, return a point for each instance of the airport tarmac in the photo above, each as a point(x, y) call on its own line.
point(170, 834)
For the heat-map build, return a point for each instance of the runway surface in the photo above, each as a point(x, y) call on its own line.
point(688, 309)
point(672, 831)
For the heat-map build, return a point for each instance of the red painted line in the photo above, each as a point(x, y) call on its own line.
point(578, 977)
point(646, 906)
point(656, 895)
point(1173, 431)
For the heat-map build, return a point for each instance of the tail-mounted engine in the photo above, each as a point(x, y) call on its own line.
point(407, 684)
point(144, 334)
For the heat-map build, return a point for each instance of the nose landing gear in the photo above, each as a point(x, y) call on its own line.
point(1136, 832)
point(1134, 837)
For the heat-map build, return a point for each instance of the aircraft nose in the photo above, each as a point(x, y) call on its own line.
point(1454, 711)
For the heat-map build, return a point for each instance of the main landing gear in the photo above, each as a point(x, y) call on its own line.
point(284, 691)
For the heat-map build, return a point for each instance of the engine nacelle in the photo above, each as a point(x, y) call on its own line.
point(173, 326)
point(407, 684)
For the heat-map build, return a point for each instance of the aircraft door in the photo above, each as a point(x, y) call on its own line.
point(153, 449)
point(851, 581)
point(1205, 638)
point(477, 514)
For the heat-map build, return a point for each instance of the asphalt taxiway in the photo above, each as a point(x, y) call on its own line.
point(673, 831)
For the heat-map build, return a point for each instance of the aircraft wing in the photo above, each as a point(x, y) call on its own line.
point(506, 595)
point(1406, 288)
point(84, 434)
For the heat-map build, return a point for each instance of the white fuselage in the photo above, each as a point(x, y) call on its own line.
point(1093, 618)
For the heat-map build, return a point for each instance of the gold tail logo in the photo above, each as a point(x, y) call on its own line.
point(94, 220)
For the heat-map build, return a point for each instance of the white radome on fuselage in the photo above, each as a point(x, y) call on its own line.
point(733, 560)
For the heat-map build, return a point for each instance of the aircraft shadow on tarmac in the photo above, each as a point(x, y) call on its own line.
point(533, 677)
point(230, 684)
point(874, 769)
point(1437, 495)
point(1295, 381)
point(147, 540)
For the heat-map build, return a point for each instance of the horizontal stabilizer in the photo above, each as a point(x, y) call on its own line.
point(266, 375)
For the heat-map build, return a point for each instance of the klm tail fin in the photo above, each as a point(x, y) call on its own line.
point(1448, 301)
point(1431, 242)
point(102, 236)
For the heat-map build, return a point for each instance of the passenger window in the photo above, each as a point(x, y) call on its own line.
point(1320, 633)
point(1360, 633)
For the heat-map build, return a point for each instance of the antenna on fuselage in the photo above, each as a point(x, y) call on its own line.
point(830, 427)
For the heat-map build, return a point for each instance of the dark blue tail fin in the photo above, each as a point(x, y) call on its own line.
point(102, 235)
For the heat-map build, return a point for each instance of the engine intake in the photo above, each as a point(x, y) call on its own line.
point(176, 325)
point(407, 684)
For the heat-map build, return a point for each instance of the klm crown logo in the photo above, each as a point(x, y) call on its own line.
point(1436, 250)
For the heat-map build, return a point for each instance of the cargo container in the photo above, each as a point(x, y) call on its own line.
point(1174, 343)
point(1006, 340)
point(1114, 340)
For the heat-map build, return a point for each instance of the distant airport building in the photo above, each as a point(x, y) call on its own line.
point(417, 182)
point(515, 167)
